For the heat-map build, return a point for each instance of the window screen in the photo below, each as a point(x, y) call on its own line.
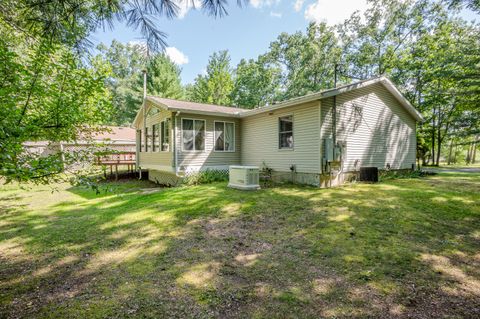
point(165, 129)
point(193, 135)
point(155, 138)
point(285, 136)
point(224, 136)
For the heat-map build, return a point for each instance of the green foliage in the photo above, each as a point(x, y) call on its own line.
point(215, 87)
point(163, 78)
point(71, 22)
point(126, 81)
point(307, 60)
point(48, 94)
point(127, 62)
point(257, 83)
point(390, 175)
point(206, 177)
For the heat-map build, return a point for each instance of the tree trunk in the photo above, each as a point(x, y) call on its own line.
point(439, 145)
point(474, 150)
point(450, 148)
point(455, 154)
point(433, 138)
point(469, 154)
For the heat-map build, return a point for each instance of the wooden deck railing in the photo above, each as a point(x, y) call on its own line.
point(117, 159)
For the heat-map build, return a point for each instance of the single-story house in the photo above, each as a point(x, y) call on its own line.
point(319, 139)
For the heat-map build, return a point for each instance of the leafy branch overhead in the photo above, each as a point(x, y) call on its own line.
point(72, 21)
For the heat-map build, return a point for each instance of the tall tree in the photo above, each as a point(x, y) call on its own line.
point(127, 62)
point(46, 93)
point(307, 60)
point(217, 84)
point(163, 78)
point(126, 81)
point(257, 83)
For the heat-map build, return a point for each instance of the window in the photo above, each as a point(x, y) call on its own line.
point(155, 138)
point(165, 129)
point(148, 139)
point(193, 135)
point(140, 140)
point(224, 136)
point(285, 132)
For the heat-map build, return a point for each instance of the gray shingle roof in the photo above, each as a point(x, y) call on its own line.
point(176, 105)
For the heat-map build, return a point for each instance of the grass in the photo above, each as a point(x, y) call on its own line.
point(401, 248)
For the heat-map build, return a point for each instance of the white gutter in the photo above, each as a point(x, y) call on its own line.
point(190, 111)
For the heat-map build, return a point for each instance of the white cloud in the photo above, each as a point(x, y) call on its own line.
point(333, 11)
point(257, 4)
point(298, 5)
point(185, 6)
point(275, 14)
point(177, 56)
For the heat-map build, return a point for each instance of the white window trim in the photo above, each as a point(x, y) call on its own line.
point(283, 149)
point(215, 142)
point(205, 136)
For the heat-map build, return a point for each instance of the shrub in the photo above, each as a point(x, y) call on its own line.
point(389, 175)
point(205, 177)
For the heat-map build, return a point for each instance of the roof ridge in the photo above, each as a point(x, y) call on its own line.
point(181, 100)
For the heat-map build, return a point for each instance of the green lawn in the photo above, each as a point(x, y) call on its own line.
point(402, 248)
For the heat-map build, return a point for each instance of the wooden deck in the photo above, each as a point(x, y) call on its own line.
point(127, 159)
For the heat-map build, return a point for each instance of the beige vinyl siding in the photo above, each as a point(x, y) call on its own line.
point(376, 128)
point(208, 158)
point(260, 139)
point(159, 159)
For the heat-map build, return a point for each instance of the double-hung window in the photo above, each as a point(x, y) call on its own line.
point(155, 138)
point(285, 132)
point(224, 136)
point(140, 140)
point(147, 139)
point(193, 135)
point(165, 129)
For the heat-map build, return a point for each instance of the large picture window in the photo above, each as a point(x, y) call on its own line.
point(193, 135)
point(165, 129)
point(224, 137)
point(155, 138)
point(285, 132)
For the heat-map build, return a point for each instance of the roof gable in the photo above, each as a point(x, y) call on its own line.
point(336, 91)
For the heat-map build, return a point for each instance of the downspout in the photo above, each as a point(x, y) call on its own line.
point(334, 122)
point(175, 148)
point(334, 115)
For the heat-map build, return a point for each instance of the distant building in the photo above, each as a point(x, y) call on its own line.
point(114, 138)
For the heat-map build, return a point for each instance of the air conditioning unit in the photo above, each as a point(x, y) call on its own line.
point(244, 177)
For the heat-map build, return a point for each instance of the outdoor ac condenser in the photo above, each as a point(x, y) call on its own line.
point(244, 177)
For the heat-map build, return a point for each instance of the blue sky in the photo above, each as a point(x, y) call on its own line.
point(246, 32)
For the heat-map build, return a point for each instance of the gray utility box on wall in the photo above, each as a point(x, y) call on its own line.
point(244, 177)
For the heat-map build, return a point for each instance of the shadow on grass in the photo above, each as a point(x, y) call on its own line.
point(406, 248)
